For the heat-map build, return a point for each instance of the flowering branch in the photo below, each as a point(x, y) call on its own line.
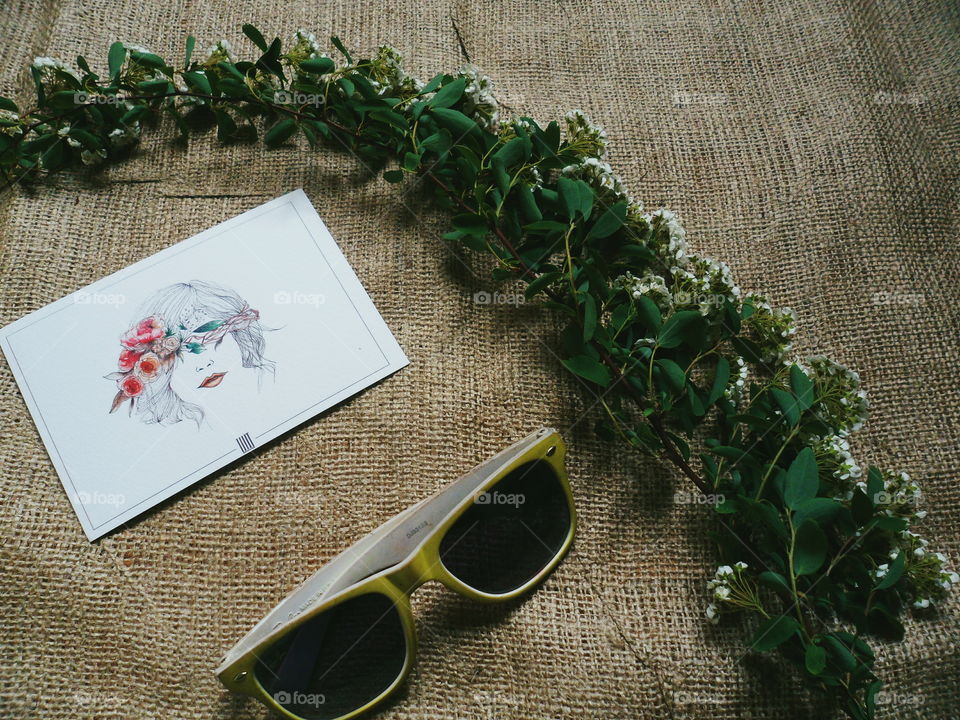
point(686, 366)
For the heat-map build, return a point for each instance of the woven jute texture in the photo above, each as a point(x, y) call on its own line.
point(812, 145)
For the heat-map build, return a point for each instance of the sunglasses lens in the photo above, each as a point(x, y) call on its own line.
point(509, 533)
point(337, 661)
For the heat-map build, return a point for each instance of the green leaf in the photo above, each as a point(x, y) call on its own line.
point(500, 177)
point(609, 222)
point(680, 326)
point(197, 82)
point(818, 508)
point(270, 60)
point(226, 126)
point(787, 404)
point(841, 653)
point(448, 94)
point(280, 132)
point(8, 104)
point(674, 374)
point(803, 480)
point(318, 66)
point(63, 100)
point(721, 376)
point(191, 43)
point(802, 387)
point(393, 176)
point(810, 548)
point(774, 632)
point(456, 122)
point(148, 60)
point(54, 156)
point(589, 317)
point(874, 482)
point(528, 203)
point(115, 58)
point(815, 659)
point(256, 37)
point(511, 152)
point(439, 142)
point(569, 196)
point(893, 573)
point(576, 197)
point(471, 223)
point(232, 70)
point(775, 581)
point(549, 226)
point(648, 311)
point(38, 84)
point(339, 46)
point(861, 507)
point(589, 369)
point(540, 283)
point(208, 326)
point(697, 405)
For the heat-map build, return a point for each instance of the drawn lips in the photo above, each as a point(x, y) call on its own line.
point(212, 381)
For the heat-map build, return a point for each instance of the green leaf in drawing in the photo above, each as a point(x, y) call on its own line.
point(208, 326)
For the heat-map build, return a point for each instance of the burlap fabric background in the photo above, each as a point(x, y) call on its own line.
point(811, 145)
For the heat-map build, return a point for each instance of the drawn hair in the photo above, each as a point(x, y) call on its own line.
point(198, 301)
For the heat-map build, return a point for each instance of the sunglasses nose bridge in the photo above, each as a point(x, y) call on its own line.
point(414, 572)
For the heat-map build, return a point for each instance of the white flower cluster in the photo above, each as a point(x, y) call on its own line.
point(833, 454)
point(585, 138)
point(10, 123)
point(728, 587)
point(771, 329)
point(738, 381)
point(48, 67)
point(387, 73)
point(480, 102)
point(705, 286)
point(929, 577)
point(649, 285)
point(842, 402)
point(305, 46)
point(669, 237)
point(900, 496)
point(222, 51)
point(600, 176)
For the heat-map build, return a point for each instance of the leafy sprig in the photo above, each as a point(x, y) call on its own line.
point(684, 365)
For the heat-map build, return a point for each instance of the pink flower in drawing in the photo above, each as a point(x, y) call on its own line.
point(147, 367)
point(131, 386)
point(128, 358)
point(166, 346)
point(143, 333)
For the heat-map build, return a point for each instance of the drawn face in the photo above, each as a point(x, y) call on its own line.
point(197, 377)
point(210, 369)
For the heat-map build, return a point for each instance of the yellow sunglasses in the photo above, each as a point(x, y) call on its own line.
point(345, 639)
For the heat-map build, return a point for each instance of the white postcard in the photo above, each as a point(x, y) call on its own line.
point(156, 376)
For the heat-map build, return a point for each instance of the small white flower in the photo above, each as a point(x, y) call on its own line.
point(921, 604)
point(741, 565)
point(722, 592)
point(724, 570)
point(712, 614)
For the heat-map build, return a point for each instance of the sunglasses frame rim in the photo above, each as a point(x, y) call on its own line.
point(400, 581)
